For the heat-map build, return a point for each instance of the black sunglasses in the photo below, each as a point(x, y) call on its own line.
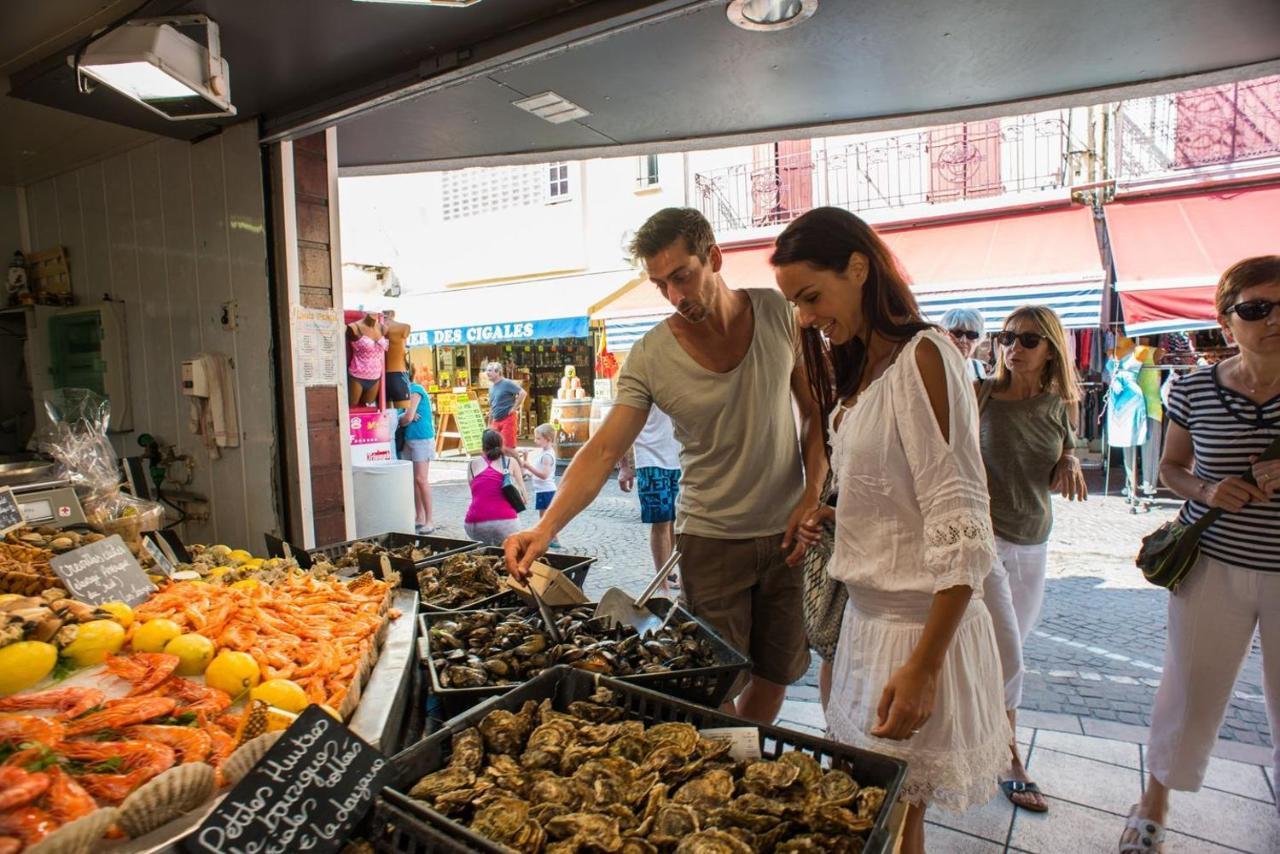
point(965, 333)
point(1254, 309)
point(1029, 340)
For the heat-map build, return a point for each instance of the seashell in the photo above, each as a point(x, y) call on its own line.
point(253, 723)
point(79, 836)
point(242, 760)
point(165, 797)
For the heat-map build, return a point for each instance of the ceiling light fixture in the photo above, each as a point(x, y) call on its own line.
point(770, 15)
point(160, 68)
point(551, 107)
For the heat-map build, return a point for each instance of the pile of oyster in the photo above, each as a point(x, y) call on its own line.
point(591, 781)
point(462, 579)
point(351, 560)
point(506, 647)
point(55, 540)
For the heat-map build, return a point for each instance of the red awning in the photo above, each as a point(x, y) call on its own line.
point(1169, 252)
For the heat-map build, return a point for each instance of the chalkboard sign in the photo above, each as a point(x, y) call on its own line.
point(10, 512)
point(305, 794)
point(177, 548)
point(105, 571)
point(154, 547)
point(471, 425)
point(277, 547)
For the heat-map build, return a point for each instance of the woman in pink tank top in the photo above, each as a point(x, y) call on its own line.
point(491, 518)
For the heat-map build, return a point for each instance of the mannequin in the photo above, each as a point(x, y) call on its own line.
point(368, 360)
point(398, 378)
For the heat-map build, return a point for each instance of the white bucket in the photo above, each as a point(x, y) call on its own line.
point(383, 497)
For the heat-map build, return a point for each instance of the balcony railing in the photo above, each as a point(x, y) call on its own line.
point(975, 160)
point(1216, 126)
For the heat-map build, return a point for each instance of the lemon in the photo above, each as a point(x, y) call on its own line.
point(256, 563)
point(239, 556)
point(279, 719)
point(94, 641)
point(152, 635)
point(331, 712)
point(245, 584)
point(25, 663)
point(282, 694)
point(194, 653)
point(219, 571)
point(219, 551)
point(120, 612)
point(233, 672)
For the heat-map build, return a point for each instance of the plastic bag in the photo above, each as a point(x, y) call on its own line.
point(78, 441)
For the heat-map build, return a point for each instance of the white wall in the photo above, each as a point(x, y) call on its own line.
point(175, 231)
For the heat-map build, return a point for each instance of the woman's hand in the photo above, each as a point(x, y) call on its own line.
point(1068, 479)
point(792, 540)
point(811, 529)
point(906, 702)
point(1267, 474)
point(1233, 493)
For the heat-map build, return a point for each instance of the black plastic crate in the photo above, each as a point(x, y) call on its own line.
point(402, 824)
point(707, 686)
point(574, 567)
point(441, 547)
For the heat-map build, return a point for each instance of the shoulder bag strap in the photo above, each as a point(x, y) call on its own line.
point(1214, 513)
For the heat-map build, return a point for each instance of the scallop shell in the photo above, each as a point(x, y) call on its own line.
point(165, 797)
point(79, 836)
point(242, 760)
point(253, 723)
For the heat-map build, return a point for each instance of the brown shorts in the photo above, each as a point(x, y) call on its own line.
point(748, 594)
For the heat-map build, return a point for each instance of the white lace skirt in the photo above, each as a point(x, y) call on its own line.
point(956, 758)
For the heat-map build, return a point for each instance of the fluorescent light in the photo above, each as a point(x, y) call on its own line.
point(141, 81)
point(551, 107)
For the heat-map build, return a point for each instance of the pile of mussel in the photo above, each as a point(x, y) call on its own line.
point(462, 579)
point(590, 780)
point(497, 647)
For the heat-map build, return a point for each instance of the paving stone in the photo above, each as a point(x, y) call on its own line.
point(1238, 778)
point(1117, 731)
point(938, 838)
point(1065, 827)
point(1085, 781)
point(1228, 819)
point(1047, 720)
point(990, 821)
point(1121, 753)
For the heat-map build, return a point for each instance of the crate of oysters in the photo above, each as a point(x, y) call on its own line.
point(406, 554)
point(477, 579)
point(474, 655)
point(572, 761)
point(25, 555)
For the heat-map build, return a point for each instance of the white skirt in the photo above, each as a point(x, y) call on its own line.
point(956, 759)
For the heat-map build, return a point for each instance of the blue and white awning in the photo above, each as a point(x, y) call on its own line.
point(1077, 303)
point(622, 332)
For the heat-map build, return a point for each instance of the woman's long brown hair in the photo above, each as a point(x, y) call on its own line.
point(826, 238)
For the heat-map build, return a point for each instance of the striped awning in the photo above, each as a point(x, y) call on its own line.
point(1077, 302)
point(622, 332)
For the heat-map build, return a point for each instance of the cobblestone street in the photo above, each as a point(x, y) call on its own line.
point(1095, 654)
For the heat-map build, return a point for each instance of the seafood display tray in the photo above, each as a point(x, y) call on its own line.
point(574, 567)
point(706, 686)
point(441, 547)
point(407, 826)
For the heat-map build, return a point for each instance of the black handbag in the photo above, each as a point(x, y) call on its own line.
point(1169, 552)
point(511, 490)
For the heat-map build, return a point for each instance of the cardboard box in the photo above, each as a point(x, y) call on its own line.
point(552, 585)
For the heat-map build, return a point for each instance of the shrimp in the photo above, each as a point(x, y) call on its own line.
point(16, 729)
point(18, 787)
point(67, 800)
point(139, 761)
point(10, 845)
point(112, 789)
point(121, 713)
point(70, 702)
point(30, 824)
point(145, 670)
point(192, 745)
point(195, 697)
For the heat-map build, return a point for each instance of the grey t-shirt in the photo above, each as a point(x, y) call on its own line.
point(740, 452)
point(502, 397)
point(1022, 440)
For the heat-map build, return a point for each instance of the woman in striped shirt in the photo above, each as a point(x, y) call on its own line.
point(1222, 418)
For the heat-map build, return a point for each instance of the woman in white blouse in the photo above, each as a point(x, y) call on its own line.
point(917, 674)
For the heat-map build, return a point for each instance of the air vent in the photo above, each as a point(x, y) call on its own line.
point(551, 107)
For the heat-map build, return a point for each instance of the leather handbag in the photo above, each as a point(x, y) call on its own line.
point(1169, 552)
point(511, 490)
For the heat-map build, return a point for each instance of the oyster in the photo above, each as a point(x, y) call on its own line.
point(711, 789)
point(810, 772)
point(837, 788)
point(505, 732)
point(712, 842)
point(868, 801)
point(600, 831)
point(681, 737)
point(673, 823)
point(461, 580)
point(468, 750)
point(821, 843)
point(506, 821)
point(838, 821)
point(444, 780)
point(763, 777)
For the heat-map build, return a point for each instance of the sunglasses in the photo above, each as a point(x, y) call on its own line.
point(965, 333)
point(1029, 340)
point(1254, 309)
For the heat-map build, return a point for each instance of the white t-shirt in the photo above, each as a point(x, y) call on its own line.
point(543, 458)
point(656, 446)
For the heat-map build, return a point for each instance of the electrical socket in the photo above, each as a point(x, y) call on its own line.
point(230, 316)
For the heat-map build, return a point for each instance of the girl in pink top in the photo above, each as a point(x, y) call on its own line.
point(368, 360)
point(491, 518)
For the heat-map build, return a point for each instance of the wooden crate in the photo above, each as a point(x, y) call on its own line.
point(50, 272)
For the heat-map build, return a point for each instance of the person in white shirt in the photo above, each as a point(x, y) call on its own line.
point(654, 467)
point(540, 462)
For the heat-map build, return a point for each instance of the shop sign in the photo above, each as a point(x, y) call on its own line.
point(563, 327)
point(471, 425)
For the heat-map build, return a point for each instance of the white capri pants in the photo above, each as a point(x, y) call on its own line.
point(1014, 594)
point(1212, 618)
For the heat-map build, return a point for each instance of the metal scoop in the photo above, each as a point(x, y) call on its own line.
point(617, 606)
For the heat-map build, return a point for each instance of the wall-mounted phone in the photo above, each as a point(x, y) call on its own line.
point(195, 378)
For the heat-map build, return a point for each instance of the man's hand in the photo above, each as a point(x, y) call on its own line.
point(791, 539)
point(626, 478)
point(522, 549)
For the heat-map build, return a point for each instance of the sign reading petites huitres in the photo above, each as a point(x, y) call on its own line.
point(105, 571)
point(305, 794)
point(10, 512)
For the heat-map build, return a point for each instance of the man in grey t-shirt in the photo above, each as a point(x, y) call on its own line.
point(724, 368)
point(505, 399)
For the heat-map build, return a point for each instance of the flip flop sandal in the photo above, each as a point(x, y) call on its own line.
point(1017, 787)
point(1150, 835)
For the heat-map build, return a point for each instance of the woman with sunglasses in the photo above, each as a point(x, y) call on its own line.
point(1027, 436)
point(916, 674)
point(1221, 419)
point(965, 326)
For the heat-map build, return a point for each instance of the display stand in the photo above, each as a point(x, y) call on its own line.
point(448, 436)
point(462, 425)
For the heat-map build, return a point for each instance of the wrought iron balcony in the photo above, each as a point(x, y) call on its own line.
point(973, 160)
point(1200, 129)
